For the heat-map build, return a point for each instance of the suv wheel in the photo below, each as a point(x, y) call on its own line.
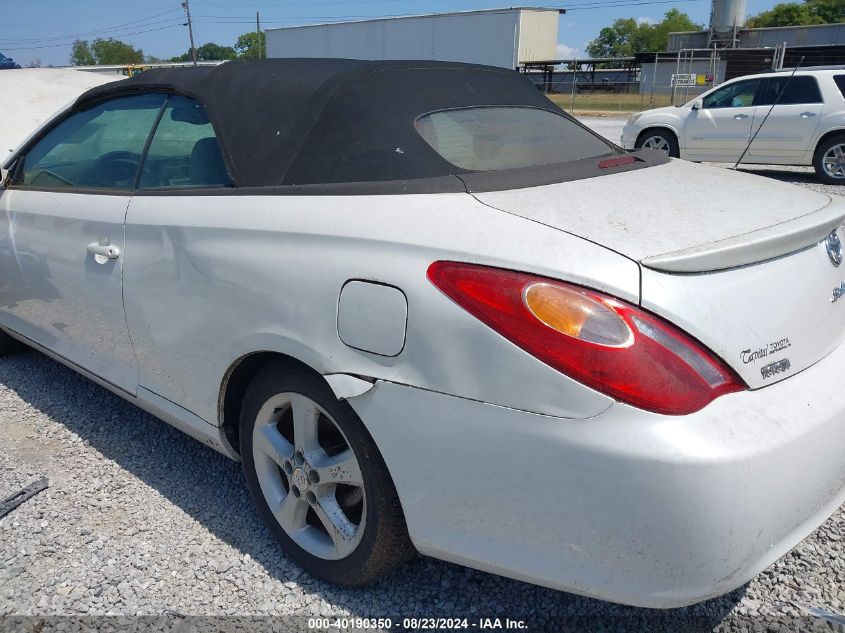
point(829, 161)
point(318, 480)
point(661, 140)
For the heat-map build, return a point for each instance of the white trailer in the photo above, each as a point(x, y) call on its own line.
point(497, 37)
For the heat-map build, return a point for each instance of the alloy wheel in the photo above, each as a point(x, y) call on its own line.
point(309, 476)
point(657, 142)
point(834, 162)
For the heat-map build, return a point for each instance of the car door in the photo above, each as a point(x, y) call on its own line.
point(61, 235)
point(791, 108)
point(721, 128)
point(181, 260)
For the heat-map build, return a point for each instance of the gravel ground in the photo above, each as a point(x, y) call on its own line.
point(140, 520)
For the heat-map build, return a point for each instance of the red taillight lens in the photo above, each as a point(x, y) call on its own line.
point(612, 346)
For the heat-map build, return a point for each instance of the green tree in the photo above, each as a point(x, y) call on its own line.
point(81, 55)
point(800, 14)
point(627, 37)
point(112, 51)
point(208, 52)
point(674, 21)
point(214, 52)
point(104, 51)
point(247, 46)
point(784, 14)
point(829, 11)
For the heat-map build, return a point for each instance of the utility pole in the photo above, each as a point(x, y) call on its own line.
point(257, 33)
point(187, 7)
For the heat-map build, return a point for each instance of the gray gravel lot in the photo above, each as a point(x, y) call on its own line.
point(141, 520)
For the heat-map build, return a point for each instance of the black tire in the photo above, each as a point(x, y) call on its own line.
point(659, 137)
point(9, 345)
point(818, 160)
point(384, 544)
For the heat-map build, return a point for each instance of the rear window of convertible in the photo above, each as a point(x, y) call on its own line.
point(507, 137)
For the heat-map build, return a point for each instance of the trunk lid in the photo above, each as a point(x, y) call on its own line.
point(739, 262)
point(679, 208)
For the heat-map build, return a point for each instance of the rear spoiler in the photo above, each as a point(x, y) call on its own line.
point(756, 246)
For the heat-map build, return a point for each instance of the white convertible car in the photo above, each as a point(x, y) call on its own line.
point(431, 312)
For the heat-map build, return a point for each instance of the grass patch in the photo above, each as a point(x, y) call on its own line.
point(604, 102)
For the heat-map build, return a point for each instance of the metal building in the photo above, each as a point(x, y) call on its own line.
point(497, 37)
point(792, 36)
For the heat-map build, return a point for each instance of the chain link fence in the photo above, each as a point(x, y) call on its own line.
point(631, 84)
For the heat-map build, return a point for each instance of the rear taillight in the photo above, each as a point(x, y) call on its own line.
point(610, 345)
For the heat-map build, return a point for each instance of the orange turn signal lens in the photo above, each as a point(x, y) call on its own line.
point(577, 314)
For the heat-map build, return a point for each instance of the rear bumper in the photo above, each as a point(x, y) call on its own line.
point(629, 506)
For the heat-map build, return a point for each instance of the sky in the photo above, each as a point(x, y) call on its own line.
point(43, 30)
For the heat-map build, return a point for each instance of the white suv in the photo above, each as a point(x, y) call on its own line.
point(805, 127)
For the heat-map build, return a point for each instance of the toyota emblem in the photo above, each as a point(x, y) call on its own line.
point(834, 248)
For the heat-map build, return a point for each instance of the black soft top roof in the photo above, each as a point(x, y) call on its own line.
point(317, 121)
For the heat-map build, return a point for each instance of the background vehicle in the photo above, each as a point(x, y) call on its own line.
point(806, 127)
point(6, 62)
point(430, 311)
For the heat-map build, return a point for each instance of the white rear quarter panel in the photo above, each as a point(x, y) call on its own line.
point(209, 279)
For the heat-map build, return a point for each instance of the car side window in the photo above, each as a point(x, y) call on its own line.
point(99, 147)
point(735, 95)
point(790, 91)
point(184, 151)
point(840, 83)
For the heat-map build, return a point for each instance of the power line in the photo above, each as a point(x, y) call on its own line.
point(32, 48)
point(587, 7)
point(105, 15)
point(582, 6)
point(275, 5)
point(143, 22)
point(222, 18)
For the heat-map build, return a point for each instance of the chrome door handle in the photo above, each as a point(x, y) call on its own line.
point(807, 115)
point(104, 250)
point(740, 116)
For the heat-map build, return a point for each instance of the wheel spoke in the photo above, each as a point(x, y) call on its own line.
point(305, 416)
point(657, 143)
point(269, 441)
point(342, 468)
point(833, 162)
point(301, 483)
point(291, 513)
point(340, 529)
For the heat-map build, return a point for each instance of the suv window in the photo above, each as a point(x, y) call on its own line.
point(507, 137)
point(735, 95)
point(794, 90)
point(99, 147)
point(184, 151)
point(840, 83)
